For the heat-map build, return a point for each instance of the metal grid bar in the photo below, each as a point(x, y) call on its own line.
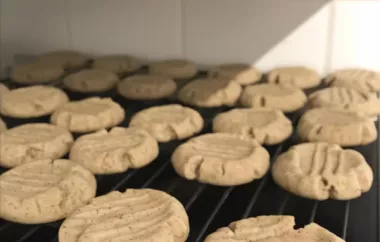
point(29, 233)
point(345, 220)
point(195, 196)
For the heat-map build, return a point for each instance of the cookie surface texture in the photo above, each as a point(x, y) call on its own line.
point(146, 87)
point(135, 215)
point(297, 76)
point(36, 73)
point(267, 126)
point(118, 64)
point(176, 69)
point(356, 78)
point(89, 115)
point(210, 93)
point(115, 151)
point(44, 191)
point(30, 102)
point(3, 126)
point(345, 128)
point(283, 97)
point(66, 59)
point(345, 98)
point(168, 122)
point(243, 74)
point(34, 141)
point(321, 171)
point(221, 159)
point(271, 229)
point(91, 80)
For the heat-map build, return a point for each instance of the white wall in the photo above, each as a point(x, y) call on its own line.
point(340, 34)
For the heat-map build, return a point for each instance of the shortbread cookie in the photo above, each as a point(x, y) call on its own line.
point(355, 78)
point(297, 76)
point(44, 191)
point(344, 98)
point(115, 151)
point(321, 171)
point(91, 80)
point(66, 59)
point(168, 122)
point(90, 114)
point(221, 159)
point(33, 101)
point(146, 87)
point(283, 97)
point(135, 215)
point(210, 93)
point(243, 74)
point(36, 73)
point(3, 126)
point(271, 229)
point(342, 127)
point(176, 69)
point(118, 64)
point(34, 141)
point(267, 126)
point(3, 90)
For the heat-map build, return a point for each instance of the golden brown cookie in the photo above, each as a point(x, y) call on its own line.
point(36, 73)
point(3, 126)
point(243, 74)
point(321, 171)
point(177, 69)
point(66, 59)
point(297, 76)
point(118, 64)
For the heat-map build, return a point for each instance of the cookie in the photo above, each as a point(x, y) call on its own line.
point(3, 89)
point(3, 126)
point(297, 76)
point(345, 98)
point(146, 87)
point(283, 97)
point(118, 64)
point(34, 141)
point(243, 74)
point(271, 229)
point(321, 171)
point(33, 101)
point(210, 93)
point(87, 115)
point(266, 126)
point(168, 122)
point(176, 69)
point(66, 59)
point(91, 80)
point(44, 191)
point(221, 159)
point(115, 151)
point(135, 215)
point(342, 127)
point(356, 78)
point(36, 73)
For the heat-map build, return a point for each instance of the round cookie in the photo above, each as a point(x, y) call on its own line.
point(176, 69)
point(36, 73)
point(344, 98)
point(266, 126)
point(3, 126)
point(273, 228)
point(3, 89)
point(356, 78)
point(66, 59)
point(283, 97)
point(118, 64)
point(168, 122)
point(33, 101)
point(35, 141)
point(146, 87)
point(135, 215)
point(115, 151)
point(321, 171)
point(90, 114)
point(210, 93)
point(221, 159)
point(44, 191)
point(297, 76)
point(91, 80)
point(243, 74)
point(342, 127)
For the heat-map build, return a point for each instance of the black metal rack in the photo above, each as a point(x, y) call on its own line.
point(210, 207)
